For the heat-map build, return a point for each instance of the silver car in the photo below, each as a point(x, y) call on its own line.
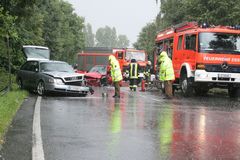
point(42, 75)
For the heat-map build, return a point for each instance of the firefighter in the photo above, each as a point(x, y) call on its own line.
point(115, 74)
point(133, 75)
point(166, 74)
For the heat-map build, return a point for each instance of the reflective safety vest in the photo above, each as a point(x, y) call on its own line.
point(133, 71)
point(166, 72)
point(116, 73)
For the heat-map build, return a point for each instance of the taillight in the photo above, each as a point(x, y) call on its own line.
point(200, 66)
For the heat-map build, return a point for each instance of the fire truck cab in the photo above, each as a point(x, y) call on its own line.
point(125, 56)
point(203, 57)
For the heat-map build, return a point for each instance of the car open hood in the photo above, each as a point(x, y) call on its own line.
point(36, 52)
point(93, 75)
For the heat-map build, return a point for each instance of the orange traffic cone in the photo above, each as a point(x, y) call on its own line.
point(143, 85)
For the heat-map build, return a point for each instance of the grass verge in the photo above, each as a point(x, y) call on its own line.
point(9, 104)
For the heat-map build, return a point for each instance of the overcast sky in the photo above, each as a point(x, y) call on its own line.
point(127, 16)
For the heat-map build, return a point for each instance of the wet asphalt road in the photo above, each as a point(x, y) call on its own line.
point(140, 125)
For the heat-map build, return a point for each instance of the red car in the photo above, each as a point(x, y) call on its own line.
point(97, 76)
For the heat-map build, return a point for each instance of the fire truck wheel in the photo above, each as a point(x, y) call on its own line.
point(187, 89)
point(233, 92)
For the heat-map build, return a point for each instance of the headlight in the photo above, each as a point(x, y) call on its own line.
point(58, 81)
point(51, 80)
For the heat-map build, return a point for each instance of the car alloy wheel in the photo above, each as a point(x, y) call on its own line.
point(40, 88)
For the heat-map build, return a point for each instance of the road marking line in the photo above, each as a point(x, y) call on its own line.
point(37, 147)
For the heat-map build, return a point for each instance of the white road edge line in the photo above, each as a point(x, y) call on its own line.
point(37, 147)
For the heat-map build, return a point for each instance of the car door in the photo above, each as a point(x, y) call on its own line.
point(190, 48)
point(24, 74)
point(177, 56)
point(33, 74)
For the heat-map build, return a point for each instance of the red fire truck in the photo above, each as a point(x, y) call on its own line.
point(92, 56)
point(95, 56)
point(125, 56)
point(203, 57)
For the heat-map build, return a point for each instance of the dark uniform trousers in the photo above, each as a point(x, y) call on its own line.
point(133, 84)
point(117, 88)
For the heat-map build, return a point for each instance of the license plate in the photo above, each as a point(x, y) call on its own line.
point(224, 75)
point(75, 88)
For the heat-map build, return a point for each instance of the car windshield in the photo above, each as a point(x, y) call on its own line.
point(139, 56)
point(56, 67)
point(225, 43)
point(99, 69)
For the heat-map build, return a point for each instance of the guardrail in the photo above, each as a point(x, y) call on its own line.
point(4, 91)
point(5, 67)
point(5, 84)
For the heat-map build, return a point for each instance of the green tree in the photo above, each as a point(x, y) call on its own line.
point(63, 30)
point(89, 36)
point(146, 39)
point(43, 22)
point(172, 12)
point(215, 12)
point(122, 41)
point(106, 37)
point(7, 24)
point(7, 31)
point(27, 27)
